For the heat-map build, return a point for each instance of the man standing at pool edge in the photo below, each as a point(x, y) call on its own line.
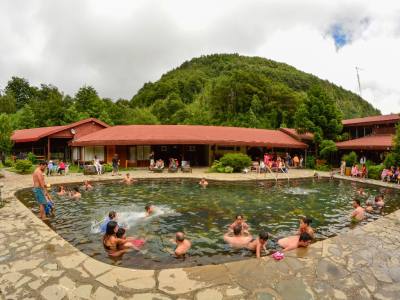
point(39, 189)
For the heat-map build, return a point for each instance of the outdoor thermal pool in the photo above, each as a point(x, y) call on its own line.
point(204, 215)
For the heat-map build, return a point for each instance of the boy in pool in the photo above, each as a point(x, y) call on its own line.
point(87, 186)
point(293, 242)
point(379, 201)
point(149, 209)
point(203, 183)
point(112, 216)
point(61, 191)
point(128, 179)
point(256, 245)
point(239, 220)
point(121, 234)
point(75, 194)
point(237, 241)
point(358, 212)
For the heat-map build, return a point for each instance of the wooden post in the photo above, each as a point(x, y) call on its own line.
point(48, 148)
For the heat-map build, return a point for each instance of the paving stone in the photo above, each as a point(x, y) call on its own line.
point(103, 294)
point(11, 277)
point(139, 284)
point(22, 281)
point(150, 296)
point(339, 295)
point(82, 292)
point(34, 285)
point(176, 281)
point(21, 265)
point(51, 266)
point(95, 268)
point(381, 274)
point(71, 261)
point(209, 294)
point(294, 289)
point(53, 292)
point(327, 270)
point(67, 283)
point(231, 291)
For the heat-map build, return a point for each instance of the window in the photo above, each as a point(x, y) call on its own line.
point(91, 151)
point(164, 148)
point(139, 152)
point(226, 148)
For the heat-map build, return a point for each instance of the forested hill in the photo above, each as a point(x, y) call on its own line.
point(229, 89)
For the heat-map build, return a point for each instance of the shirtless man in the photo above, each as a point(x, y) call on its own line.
point(237, 241)
point(257, 245)
point(149, 209)
point(40, 190)
point(358, 213)
point(75, 194)
point(203, 183)
point(295, 241)
point(128, 179)
point(182, 244)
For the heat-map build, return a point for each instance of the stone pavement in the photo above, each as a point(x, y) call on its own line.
point(36, 263)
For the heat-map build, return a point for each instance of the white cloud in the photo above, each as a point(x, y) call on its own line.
point(116, 46)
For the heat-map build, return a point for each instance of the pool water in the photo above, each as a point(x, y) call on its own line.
point(204, 215)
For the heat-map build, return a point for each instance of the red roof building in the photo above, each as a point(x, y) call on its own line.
point(371, 142)
point(303, 137)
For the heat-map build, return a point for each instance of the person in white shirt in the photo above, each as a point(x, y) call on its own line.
point(97, 165)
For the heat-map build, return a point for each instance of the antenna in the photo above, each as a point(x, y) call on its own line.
point(358, 80)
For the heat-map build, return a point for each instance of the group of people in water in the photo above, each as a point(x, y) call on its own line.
point(238, 235)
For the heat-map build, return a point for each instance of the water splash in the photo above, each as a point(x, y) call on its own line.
point(299, 191)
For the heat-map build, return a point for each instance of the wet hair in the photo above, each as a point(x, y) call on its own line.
point(357, 201)
point(180, 236)
point(147, 207)
point(237, 229)
point(60, 188)
point(76, 189)
point(112, 214)
point(378, 197)
point(110, 230)
point(305, 237)
point(263, 235)
point(43, 163)
point(120, 233)
point(239, 215)
point(306, 220)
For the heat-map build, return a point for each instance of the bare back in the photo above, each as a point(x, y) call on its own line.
point(38, 178)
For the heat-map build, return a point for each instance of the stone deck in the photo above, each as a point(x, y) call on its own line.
point(36, 263)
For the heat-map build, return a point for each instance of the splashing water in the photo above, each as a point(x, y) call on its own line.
point(299, 191)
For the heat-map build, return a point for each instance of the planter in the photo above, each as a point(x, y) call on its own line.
point(348, 171)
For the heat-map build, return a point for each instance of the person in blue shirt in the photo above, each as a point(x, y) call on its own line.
point(112, 216)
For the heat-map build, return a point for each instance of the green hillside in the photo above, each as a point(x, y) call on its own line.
point(229, 89)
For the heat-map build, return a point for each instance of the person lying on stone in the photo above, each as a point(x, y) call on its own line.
point(295, 241)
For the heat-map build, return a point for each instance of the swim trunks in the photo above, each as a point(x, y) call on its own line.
point(39, 196)
point(49, 206)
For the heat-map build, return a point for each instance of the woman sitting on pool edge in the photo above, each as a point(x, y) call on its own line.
point(115, 246)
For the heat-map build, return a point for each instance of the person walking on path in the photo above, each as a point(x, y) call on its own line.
point(40, 190)
point(115, 165)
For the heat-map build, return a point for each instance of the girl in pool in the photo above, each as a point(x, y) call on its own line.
point(240, 221)
point(305, 226)
point(121, 234)
point(115, 246)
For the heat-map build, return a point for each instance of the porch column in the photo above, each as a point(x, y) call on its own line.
point(305, 158)
point(48, 148)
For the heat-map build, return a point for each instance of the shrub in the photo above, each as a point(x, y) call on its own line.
point(107, 168)
point(32, 158)
point(374, 172)
point(310, 162)
point(9, 163)
point(238, 161)
point(327, 148)
point(323, 167)
point(350, 159)
point(23, 166)
point(390, 160)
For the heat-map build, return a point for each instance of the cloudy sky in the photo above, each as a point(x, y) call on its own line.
point(117, 46)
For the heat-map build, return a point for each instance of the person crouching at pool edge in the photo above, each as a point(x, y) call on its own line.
point(149, 209)
point(182, 245)
point(294, 242)
point(112, 244)
point(256, 245)
point(358, 212)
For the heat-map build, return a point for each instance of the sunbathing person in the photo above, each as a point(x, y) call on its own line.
point(182, 244)
point(237, 241)
point(239, 220)
point(75, 194)
point(203, 183)
point(128, 179)
point(115, 246)
point(259, 244)
point(87, 185)
point(293, 242)
point(305, 226)
point(358, 212)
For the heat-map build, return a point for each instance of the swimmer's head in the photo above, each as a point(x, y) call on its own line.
point(112, 228)
point(263, 236)
point(112, 215)
point(305, 239)
point(180, 237)
point(356, 203)
point(379, 198)
point(239, 218)
point(305, 221)
point(237, 230)
point(120, 233)
point(127, 175)
point(149, 208)
point(76, 189)
point(60, 188)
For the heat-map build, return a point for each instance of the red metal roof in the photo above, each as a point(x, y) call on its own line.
point(188, 134)
point(393, 118)
point(370, 142)
point(35, 134)
point(308, 136)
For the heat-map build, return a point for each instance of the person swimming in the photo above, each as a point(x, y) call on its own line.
point(256, 245)
point(149, 209)
point(87, 185)
point(293, 242)
point(305, 226)
point(237, 241)
point(75, 194)
point(128, 179)
point(112, 244)
point(358, 213)
point(203, 182)
point(61, 191)
point(112, 216)
point(379, 202)
point(239, 220)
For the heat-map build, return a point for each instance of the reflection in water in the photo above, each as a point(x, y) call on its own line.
point(203, 214)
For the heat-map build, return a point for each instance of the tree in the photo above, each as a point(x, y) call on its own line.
point(26, 117)
point(5, 136)
point(396, 146)
point(21, 90)
point(327, 148)
point(143, 116)
point(8, 104)
point(87, 100)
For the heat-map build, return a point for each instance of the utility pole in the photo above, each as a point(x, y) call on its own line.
point(358, 80)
